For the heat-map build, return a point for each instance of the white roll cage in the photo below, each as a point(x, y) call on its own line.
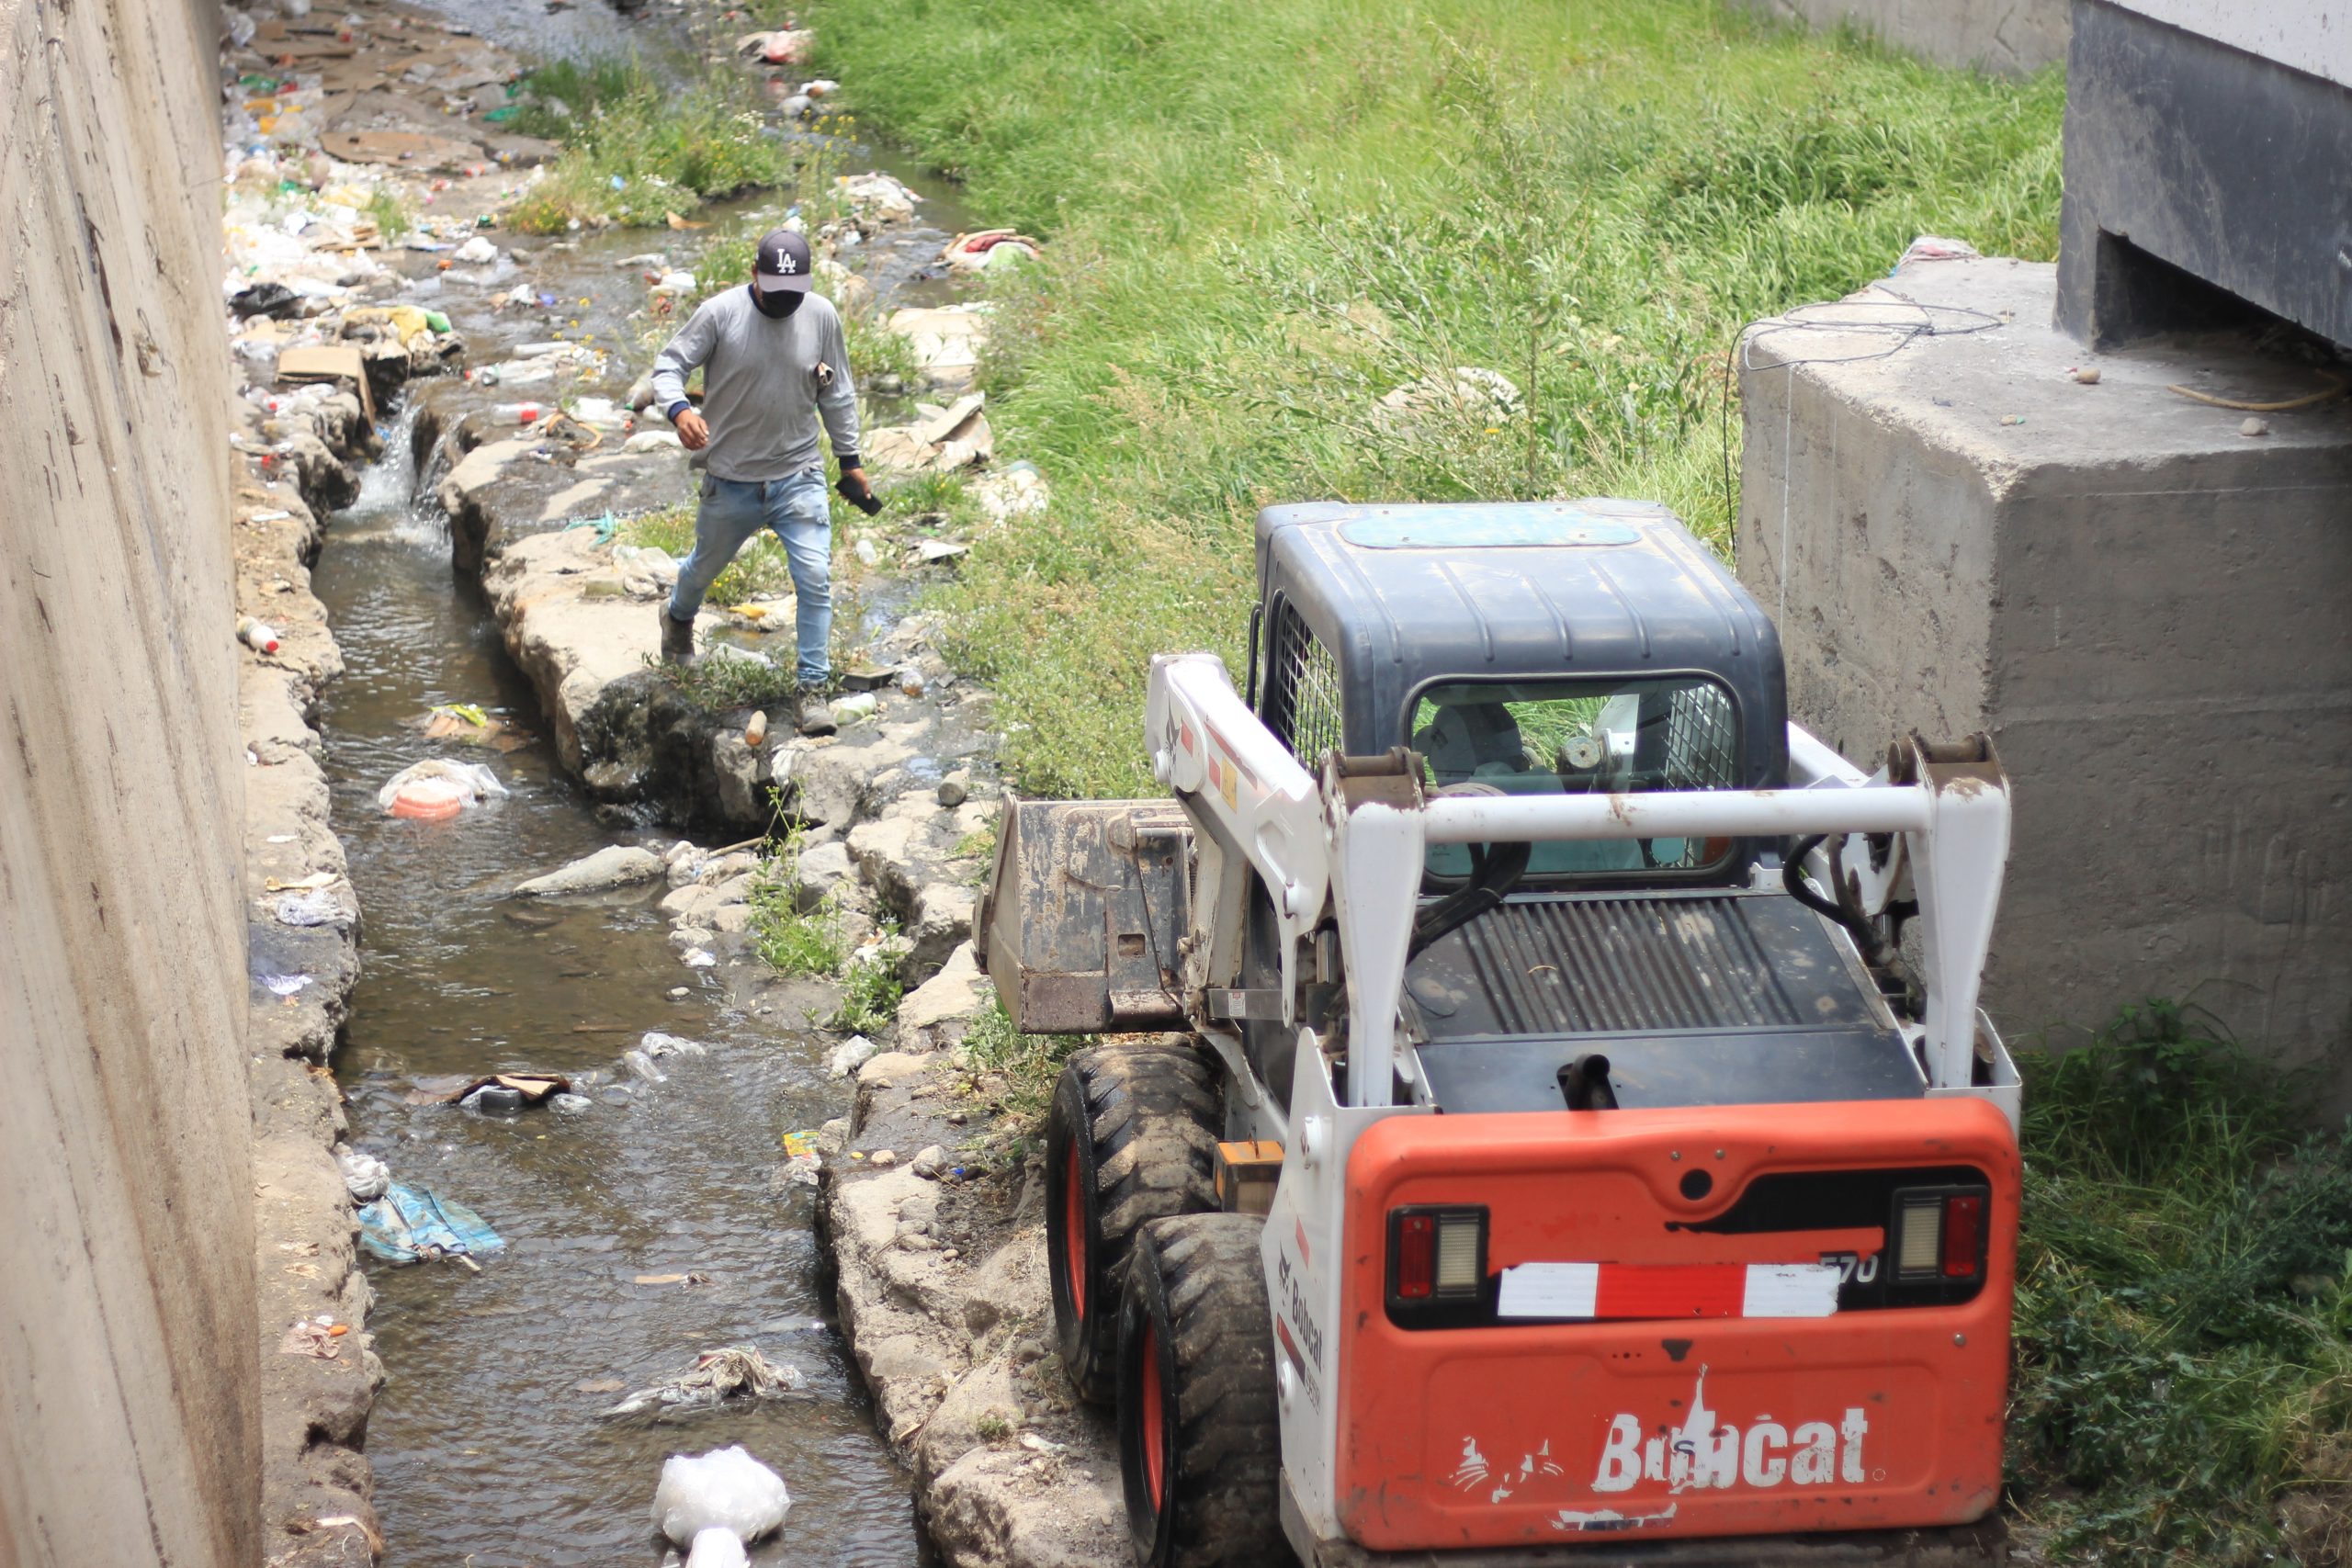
point(1350, 846)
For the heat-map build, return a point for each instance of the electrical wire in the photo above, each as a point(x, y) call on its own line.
point(1841, 317)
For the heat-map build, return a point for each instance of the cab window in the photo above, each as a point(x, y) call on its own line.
point(1675, 732)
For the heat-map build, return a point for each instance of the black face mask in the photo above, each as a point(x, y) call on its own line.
point(775, 306)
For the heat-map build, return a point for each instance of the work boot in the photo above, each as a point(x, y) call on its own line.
point(677, 638)
point(816, 718)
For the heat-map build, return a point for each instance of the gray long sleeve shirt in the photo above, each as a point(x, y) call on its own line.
point(765, 384)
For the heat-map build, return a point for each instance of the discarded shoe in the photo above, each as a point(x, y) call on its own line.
point(816, 716)
point(677, 638)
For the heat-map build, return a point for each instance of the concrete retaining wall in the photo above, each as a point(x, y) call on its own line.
point(128, 1425)
point(2011, 37)
point(2143, 605)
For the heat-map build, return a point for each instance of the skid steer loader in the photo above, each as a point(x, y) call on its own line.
point(1570, 1156)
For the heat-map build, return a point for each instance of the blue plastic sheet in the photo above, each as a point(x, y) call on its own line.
point(408, 1224)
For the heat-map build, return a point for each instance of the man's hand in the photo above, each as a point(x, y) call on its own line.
point(693, 434)
point(857, 492)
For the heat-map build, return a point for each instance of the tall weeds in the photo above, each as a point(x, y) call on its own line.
point(1264, 215)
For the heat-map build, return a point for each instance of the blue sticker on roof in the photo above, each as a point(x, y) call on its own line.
point(1483, 528)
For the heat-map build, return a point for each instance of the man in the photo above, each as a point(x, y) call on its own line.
point(773, 363)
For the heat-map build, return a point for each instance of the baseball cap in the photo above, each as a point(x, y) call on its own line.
point(783, 264)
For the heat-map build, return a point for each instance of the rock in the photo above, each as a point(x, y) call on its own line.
point(943, 920)
point(882, 1160)
point(817, 872)
point(931, 1165)
point(895, 1066)
point(732, 920)
point(691, 901)
point(615, 865)
point(889, 849)
point(740, 770)
point(686, 938)
point(954, 995)
point(727, 868)
point(1009, 1286)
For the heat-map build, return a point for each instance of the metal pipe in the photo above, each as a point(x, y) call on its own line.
point(1678, 814)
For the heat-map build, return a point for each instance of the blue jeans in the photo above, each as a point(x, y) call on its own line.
point(801, 514)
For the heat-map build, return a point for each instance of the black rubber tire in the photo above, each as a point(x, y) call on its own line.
point(1194, 1318)
point(1132, 1136)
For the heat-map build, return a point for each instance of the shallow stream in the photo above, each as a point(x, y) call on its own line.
point(486, 1442)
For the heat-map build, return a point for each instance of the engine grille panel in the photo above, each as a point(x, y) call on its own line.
point(1696, 999)
point(1606, 968)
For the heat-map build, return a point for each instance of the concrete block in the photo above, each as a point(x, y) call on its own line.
point(2189, 164)
point(2010, 37)
point(2144, 607)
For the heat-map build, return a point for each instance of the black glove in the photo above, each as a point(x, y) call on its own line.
point(865, 501)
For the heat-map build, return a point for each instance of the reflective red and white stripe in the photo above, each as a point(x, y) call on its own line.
point(1608, 1291)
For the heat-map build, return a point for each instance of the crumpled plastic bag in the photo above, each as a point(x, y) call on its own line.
point(366, 1176)
point(724, 1489)
point(436, 781)
point(717, 1548)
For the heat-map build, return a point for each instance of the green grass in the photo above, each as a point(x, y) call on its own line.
point(760, 567)
point(2184, 1323)
point(1261, 215)
point(670, 149)
point(718, 684)
point(392, 214)
point(1026, 1066)
point(794, 941)
point(871, 987)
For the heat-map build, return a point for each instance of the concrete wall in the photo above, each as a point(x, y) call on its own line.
point(128, 1416)
point(2142, 606)
point(2011, 37)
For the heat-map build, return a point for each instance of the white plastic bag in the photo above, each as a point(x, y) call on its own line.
point(717, 1548)
point(725, 1489)
point(425, 787)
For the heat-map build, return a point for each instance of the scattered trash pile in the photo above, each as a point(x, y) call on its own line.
point(333, 133)
point(408, 1224)
point(737, 1373)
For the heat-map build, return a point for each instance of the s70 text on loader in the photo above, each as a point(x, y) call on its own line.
point(1569, 1157)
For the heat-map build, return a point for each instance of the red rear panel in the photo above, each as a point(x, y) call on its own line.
point(1686, 1409)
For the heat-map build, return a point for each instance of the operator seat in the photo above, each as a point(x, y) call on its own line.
point(1464, 738)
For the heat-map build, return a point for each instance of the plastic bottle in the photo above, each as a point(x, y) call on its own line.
point(259, 636)
point(521, 413)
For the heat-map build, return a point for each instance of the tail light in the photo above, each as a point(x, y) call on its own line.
point(1939, 1235)
point(1437, 1258)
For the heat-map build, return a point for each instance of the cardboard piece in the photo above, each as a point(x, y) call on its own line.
point(411, 147)
point(328, 362)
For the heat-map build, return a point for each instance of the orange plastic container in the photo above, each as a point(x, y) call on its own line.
point(429, 800)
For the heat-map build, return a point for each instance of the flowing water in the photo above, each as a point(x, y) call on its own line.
point(486, 1441)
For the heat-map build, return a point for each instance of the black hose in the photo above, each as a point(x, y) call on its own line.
point(1494, 872)
point(1793, 879)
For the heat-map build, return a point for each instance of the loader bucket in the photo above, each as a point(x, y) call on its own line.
point(1084, 907)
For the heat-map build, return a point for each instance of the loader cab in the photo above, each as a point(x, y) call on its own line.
point(1590, 646)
